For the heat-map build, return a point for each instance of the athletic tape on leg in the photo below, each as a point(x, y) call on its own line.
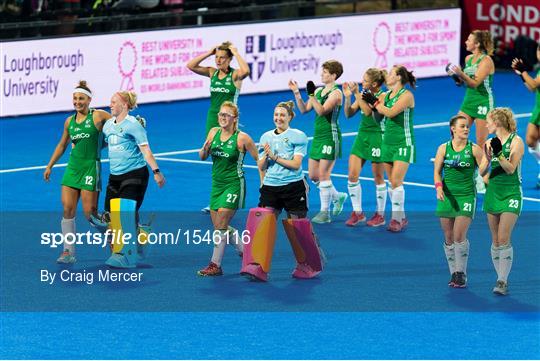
point(124, 229)
point(305, 247)
point(261, 225)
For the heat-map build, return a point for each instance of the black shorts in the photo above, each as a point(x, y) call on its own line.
point(293, 196)
point(130, 185)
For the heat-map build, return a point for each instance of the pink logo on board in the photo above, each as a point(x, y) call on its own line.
point(381, 44)
point(127, 63)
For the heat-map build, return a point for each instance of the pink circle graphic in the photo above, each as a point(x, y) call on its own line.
point(382, 37)
point(127, 63)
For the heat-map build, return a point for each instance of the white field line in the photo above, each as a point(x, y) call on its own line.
point(337, 175)
point(189, 151)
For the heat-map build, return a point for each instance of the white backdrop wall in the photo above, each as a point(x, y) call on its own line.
point(39, 76)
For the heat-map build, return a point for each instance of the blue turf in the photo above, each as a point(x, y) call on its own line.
point(368, 271)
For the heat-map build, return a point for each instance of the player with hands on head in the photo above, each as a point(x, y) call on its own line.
point(225, 81)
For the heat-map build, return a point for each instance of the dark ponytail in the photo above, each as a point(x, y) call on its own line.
point(407, 77)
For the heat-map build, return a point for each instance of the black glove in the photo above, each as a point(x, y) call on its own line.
point(496, 146)
point(519, 66)
point(310, 88)
point(369, 98)
point(457, 79)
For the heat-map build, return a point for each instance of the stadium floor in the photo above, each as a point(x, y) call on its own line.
point(381, 295)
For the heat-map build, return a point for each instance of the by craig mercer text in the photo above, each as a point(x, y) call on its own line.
point(111, 237)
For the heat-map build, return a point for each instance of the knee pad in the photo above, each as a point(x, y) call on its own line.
point(304, 242)
point(124, 230)
point(261, 227)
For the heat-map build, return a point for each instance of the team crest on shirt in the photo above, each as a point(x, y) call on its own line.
point(256, 56)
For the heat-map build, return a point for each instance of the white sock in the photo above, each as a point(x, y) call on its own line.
point(355, 192)
point(506, 256)
point(462, 255)
point(334, 193)
point(391, 193)
point(68, 227)
point(234, 239)
point(380, 192)
point(450, 257)
point(325, 189)
point(398, 203)
point(495, 257)
point(220, 241)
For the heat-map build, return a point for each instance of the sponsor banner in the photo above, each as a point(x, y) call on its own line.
point(506, 19)
point(40, 75)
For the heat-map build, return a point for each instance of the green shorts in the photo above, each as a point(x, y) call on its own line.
point(231, 195)
point(476, 108)
point(325, 148)
point(535, 118)
point(367, 145)
point(499, 199)
point(83, 174)
point(455, 206)
point(391, 153)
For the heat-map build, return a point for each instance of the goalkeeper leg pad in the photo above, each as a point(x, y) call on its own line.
point(309, 256)
point(124, 229)
point(257, 257)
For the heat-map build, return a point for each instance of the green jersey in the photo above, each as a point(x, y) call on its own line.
point(227, 159)
point(221, 90)
point(498, 177)
point(369, 124)
point(504, 193)
point(83, 169)
point(327, 126)
point(399, 129)
point(85, 137)
point(458, 170)
point(478, 101)
point(535, 118)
